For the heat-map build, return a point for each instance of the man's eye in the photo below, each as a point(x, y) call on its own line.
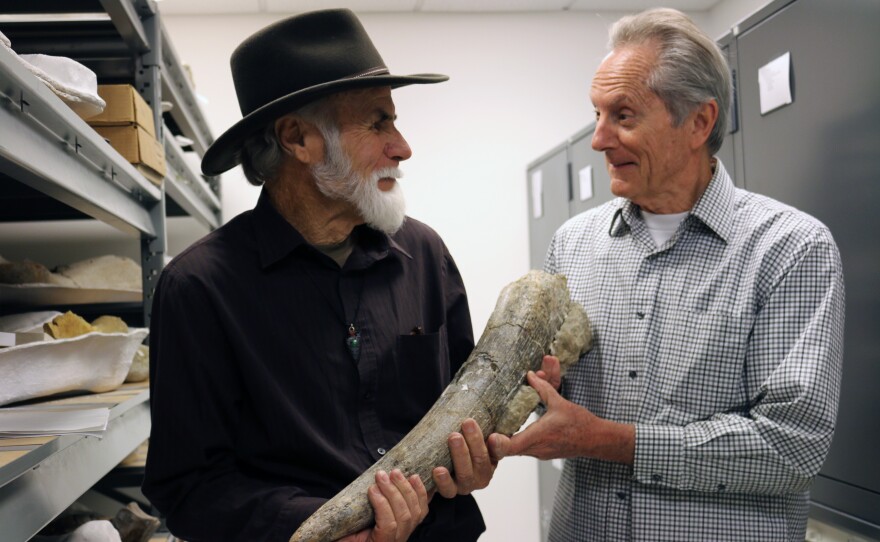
point(382, 122)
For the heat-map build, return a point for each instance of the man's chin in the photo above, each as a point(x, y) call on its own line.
point(386, 184)
point(389, 227)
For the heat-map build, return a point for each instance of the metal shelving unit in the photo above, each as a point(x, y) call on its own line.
point(55, 153)
point(54, 166)
point(176, 87)
point(46, 146)
point(52, 473)
point(186, 188)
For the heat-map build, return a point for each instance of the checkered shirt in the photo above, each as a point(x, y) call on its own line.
point(724, 347)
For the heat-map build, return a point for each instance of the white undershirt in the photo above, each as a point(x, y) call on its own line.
point(662, 227)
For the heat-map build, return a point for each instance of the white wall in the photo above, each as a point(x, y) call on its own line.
point(725, 15)
point(518, 87)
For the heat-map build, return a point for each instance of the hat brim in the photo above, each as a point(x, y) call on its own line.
point(225, 153)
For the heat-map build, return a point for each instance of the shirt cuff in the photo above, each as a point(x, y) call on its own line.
point(659, 456)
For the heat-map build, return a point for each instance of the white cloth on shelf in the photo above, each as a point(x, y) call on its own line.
point(75, 84)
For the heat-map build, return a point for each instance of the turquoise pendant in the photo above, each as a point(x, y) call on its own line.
point(353, 342)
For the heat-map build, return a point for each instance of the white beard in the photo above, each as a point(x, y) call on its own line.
point(382, 210)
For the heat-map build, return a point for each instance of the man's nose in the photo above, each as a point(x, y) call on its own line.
point(603, 136)
point(398, 149)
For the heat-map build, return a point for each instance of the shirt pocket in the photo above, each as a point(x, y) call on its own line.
point(422, 369)
point(700, 365)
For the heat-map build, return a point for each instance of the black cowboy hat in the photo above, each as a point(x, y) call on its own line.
point(296, 61)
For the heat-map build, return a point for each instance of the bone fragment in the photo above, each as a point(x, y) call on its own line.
point(533, 316)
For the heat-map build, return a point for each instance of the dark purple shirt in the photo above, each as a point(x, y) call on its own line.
point(259, 411)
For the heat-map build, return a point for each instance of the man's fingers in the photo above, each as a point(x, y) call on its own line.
point(482, 463)
point(545, 389)
point(410, 507)
point(381, 507)
point(499, 446)
point(552, 371)
point(399, 505)
point(396, 502)
point(445, 484)
point(461, 463)
point(421, 493)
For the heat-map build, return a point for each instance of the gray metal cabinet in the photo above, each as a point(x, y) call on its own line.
point(553, 170)
point(727, 154)
point(547, 184)
point(591, 184)
point(821, 154)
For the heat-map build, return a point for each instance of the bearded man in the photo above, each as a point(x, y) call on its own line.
point(294, 345)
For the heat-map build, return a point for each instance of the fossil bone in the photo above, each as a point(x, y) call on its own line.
point(533, 316)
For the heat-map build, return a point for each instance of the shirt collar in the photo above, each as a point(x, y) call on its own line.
point(276, 238)
point(714, 208)
point(371, 246)
point(396, 246)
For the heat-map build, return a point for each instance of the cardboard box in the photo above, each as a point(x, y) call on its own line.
point(138, 147)
point(124, 106)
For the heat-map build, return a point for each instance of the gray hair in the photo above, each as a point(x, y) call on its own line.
point(261, 152)
point(690, 68)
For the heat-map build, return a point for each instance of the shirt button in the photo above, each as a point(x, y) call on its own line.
point(633, 374)
point(640, 315)
point(381, 451)
point(656, 477)
point(621, 495)
point(721, 487)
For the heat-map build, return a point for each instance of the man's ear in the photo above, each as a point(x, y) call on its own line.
point(298, 139)
point(703, 119)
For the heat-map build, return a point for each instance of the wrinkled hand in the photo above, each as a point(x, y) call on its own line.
point(470, 460)
point(400, 504)
point(566, 430)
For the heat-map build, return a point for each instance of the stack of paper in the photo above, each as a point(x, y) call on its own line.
point(15, 339)
point(41, 420)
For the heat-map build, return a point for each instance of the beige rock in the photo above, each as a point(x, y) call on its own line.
point(60, 280)
point(24, 272)
point(140, 365)
point(67, 325)
point(109, 324)
point(104, 272)
point(135, 525)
